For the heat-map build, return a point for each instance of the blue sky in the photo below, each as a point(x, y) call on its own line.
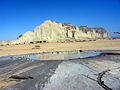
point(19, 16)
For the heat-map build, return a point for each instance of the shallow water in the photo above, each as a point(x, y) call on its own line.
point(61, 55)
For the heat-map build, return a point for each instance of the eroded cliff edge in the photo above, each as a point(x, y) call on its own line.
point(51, 31)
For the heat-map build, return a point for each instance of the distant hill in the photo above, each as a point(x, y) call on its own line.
point(51, 31)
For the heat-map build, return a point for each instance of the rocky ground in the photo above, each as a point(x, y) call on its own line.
point(77, 74)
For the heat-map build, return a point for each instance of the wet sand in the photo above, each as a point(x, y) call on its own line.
point(90, 45)
point(76, 74)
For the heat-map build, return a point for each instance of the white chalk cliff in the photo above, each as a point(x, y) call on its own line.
point(51, 31)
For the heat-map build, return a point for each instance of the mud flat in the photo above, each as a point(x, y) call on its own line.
point(104, 44)
point(93, 73)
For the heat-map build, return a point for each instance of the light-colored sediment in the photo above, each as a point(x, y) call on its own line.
point(89, 45)
point(83, 74)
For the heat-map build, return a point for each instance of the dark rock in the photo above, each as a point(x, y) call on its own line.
point(80, 50)
point(21, 77)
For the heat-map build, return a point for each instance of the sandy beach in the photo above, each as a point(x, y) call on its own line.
point(89, 45)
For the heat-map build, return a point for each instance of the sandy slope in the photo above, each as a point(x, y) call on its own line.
point(90, 45)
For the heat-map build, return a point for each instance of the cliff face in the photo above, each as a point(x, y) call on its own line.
point(51, 31)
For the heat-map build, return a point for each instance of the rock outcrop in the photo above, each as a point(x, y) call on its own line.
point(51, 31)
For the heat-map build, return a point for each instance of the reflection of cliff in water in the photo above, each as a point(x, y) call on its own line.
point(58, 55)
point(65, 55)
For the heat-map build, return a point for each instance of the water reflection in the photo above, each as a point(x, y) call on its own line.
point(64, 55)
point(61, 55)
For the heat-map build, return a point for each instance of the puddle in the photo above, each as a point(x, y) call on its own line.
point(58, 55)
